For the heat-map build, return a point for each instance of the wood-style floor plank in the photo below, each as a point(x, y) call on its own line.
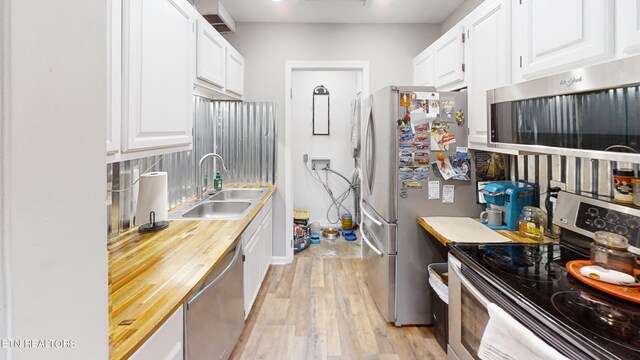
point(321, 308)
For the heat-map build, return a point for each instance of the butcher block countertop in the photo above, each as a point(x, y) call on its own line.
point(477, 237)
point(151, 275)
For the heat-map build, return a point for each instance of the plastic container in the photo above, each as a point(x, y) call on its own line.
point(636, 191)
point(622, 186)
point(609, 250)
point(531, 223)
point(439, 282)
point(347, 222)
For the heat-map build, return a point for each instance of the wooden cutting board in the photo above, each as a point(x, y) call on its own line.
point(463, 229)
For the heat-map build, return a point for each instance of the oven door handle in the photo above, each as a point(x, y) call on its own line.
point(467, 284)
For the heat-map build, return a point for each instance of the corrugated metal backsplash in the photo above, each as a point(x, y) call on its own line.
point(244, 134)
point(588, 177)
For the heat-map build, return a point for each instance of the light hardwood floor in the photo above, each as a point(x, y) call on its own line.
point(320, 308)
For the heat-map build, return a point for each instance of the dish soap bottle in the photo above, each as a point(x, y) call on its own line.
point(217, 182)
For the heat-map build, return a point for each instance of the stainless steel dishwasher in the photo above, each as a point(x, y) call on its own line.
point(214, 318)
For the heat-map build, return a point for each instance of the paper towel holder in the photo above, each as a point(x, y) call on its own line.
point(153, 225)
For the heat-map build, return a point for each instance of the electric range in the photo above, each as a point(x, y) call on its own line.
point(531, 283)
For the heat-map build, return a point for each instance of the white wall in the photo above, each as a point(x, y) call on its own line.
point(53, 218)
point(459, 14)
point(308, 193)
point(389, 48)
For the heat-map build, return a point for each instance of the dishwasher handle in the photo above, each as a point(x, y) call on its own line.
point(238, 250)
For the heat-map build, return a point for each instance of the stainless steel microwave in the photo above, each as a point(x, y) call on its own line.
point(592, 112)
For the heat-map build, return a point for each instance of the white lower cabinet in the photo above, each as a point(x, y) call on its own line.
point(167, 342)
point(267, 241)
point(257, 245)
point(252, 270)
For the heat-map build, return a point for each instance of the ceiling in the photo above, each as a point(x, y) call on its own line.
point(341, 11)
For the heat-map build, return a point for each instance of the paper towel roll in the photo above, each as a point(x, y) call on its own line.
point(152, 196)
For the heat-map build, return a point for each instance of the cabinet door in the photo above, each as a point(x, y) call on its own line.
point(115, 77)
point(448, 59)
point(487, 54)
point(235, 71)
point(166, 343)
point(423, 68)
point(560, 35)
point(252, 270)
point(211, 54)
point(628, 27)
point(158, 40)
point(267, 242)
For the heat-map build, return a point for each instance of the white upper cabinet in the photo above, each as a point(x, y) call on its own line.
point(448, 59)
point(423, 68)
point(487, 56)
point(553, 36)
point(212, 54)
point(235, 71)
point(157, 84)
point(115, 72)
point(627, 27)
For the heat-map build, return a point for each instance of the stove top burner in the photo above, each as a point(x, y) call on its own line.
point(599, 317)
point(525, 262)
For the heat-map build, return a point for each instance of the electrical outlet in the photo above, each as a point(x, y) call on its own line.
point(559, 184)
point(320, 164)
point(305, 158)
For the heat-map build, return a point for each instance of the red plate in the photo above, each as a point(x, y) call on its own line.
point(631, 293)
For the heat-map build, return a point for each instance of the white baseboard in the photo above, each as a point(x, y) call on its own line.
point(279, 260)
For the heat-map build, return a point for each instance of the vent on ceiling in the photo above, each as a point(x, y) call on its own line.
point(216, 15)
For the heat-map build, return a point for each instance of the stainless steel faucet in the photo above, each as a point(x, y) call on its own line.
point(199, 188)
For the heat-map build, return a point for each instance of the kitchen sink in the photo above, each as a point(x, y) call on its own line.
point(239, 194)
point(213, 210)
point(228, 204)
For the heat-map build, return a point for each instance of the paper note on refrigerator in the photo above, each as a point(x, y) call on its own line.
point(448, 193)
point(434, 190)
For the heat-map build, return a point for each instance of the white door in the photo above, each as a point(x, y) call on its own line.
point(235, 71)
point(487, 56)
point(423, 68)
point(448, 59)
point(267, 242)
point(211, 54)
point(158, 62)
point(559, 35)
point(627, 27)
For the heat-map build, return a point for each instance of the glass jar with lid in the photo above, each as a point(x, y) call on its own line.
point(609, 250)
point(531, 223)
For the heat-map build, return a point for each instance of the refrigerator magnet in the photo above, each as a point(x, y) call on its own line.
point(448, 193)
point(459, 118)
point(405, 99)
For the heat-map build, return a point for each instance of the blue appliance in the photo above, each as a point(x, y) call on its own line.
point(510, 197)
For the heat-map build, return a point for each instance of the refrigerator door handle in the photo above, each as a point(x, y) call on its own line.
point(369, 244)
point(369, 151)
point(375, 221)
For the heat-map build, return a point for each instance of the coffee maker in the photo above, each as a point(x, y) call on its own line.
point(509, 197)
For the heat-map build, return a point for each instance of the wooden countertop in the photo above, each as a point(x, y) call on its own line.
point(151, 275)
point(511, 235)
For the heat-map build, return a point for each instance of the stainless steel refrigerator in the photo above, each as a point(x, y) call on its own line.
point(396, 250)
